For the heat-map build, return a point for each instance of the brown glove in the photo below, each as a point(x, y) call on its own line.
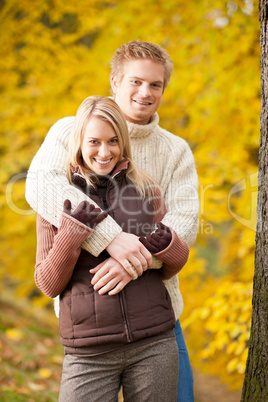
point(157, 241)
point(85, 213)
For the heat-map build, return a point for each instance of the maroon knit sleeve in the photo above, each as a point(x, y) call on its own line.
point(175, 255)
point(57, 253)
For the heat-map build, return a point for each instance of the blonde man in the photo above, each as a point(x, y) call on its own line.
point(140, 72)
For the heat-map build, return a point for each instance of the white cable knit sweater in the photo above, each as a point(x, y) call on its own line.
point(164, 156)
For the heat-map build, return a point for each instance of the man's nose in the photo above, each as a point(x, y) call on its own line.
point(145, 90)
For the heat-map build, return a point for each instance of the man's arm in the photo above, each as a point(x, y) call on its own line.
point(180, 190)
point(47, 187)
point(181, 197)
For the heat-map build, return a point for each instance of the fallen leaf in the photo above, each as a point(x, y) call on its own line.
point(14, 334)
point(44, 373)
point(58, 359)
point(36, 387)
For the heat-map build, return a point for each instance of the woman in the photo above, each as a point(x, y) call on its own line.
point(110, 338)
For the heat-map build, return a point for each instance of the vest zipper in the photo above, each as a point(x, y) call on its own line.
point(122, 302)
point(122, 293)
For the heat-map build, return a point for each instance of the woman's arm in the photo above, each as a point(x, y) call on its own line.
point(58, 250)
point(57, 253)
point(164, 243)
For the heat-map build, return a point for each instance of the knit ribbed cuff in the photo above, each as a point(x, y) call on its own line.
point(174, 256)
point(102, 236)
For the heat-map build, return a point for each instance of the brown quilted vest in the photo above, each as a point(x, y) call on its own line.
point(142, 309)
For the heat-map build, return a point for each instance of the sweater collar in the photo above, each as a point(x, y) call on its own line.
point(139, 131)
point(78, 178)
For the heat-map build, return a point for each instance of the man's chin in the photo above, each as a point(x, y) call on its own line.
point(139, 118)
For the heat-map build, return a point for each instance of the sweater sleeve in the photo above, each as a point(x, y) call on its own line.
point(47, 186)
point(175, 255)
point(57, 253)
point(180, 191)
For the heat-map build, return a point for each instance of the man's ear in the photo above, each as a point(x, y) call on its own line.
point(114, 84)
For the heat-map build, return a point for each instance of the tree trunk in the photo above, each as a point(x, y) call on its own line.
point(255, 386)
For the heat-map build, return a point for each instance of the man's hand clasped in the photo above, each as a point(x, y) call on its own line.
point(130, 255)
point(113, 274)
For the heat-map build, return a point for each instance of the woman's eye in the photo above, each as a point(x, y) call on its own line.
point(114, 141)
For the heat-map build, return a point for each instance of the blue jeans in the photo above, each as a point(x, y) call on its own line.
point(186, 382)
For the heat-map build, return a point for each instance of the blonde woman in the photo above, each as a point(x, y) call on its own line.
point(122, 337)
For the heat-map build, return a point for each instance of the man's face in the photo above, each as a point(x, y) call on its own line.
point(140, 91)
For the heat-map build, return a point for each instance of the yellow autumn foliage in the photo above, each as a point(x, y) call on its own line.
point(55, 53)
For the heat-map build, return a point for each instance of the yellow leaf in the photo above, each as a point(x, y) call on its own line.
point(14, 334)
point(44, 373)
point(58, 359)
point(232, 365)
point(241, 368)
point(240, 348)
point(204, 313)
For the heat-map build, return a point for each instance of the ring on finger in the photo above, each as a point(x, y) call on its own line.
point(134, 270)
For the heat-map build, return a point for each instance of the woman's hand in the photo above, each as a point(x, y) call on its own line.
point(110, 277)
point(85, 213)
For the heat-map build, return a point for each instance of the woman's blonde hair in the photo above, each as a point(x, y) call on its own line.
point(105, 109)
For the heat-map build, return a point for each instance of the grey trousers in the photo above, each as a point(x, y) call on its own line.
point(148, 373)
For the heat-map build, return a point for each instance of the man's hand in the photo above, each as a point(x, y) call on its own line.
point(109, 277)
point(130, 253)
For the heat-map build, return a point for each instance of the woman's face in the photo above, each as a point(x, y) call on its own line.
point(100, 146)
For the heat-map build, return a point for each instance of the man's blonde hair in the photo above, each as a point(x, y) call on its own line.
point(135, 50)
point(107, 110)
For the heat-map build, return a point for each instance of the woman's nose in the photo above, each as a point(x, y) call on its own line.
point(103, 150)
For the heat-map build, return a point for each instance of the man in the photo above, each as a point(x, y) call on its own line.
point(140, 72)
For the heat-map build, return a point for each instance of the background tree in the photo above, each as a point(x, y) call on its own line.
point(255, 386)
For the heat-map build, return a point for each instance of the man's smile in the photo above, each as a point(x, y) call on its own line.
point(142, 103)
